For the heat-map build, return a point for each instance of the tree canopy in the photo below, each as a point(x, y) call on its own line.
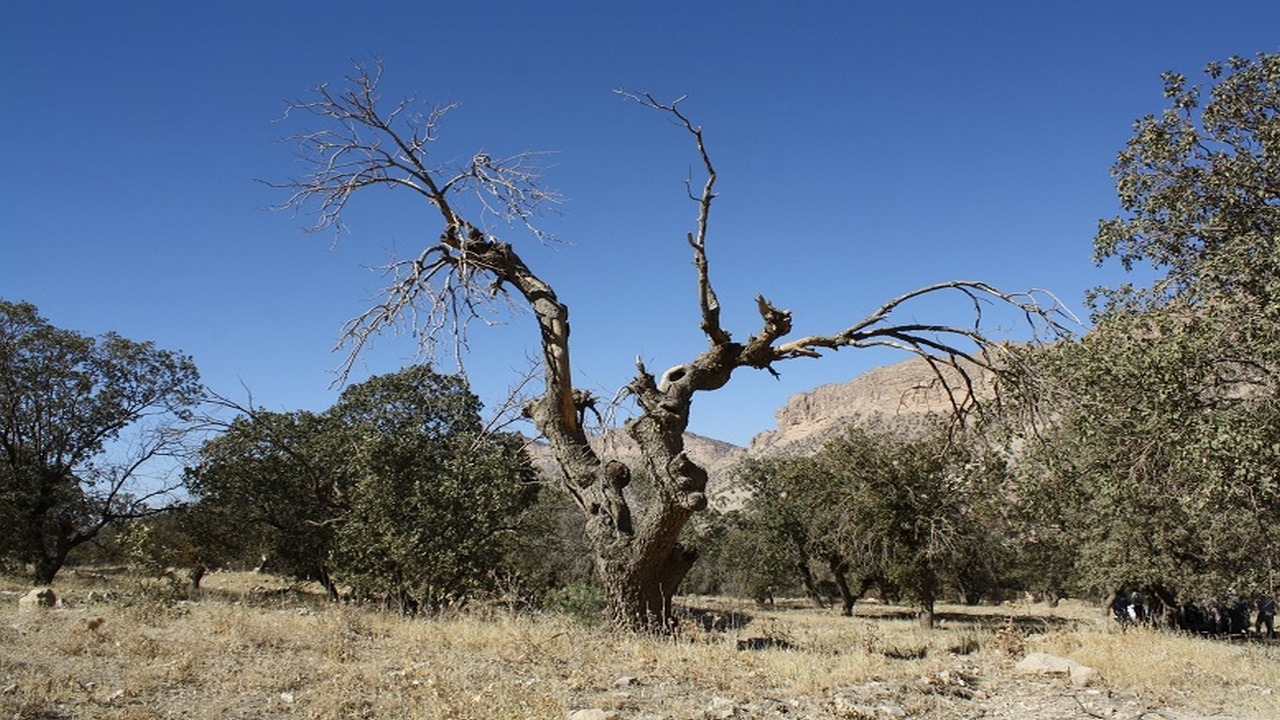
point(910, 510)
point(398, 491)
point(1199, 185)
point(1164, 427)
point(82, 422)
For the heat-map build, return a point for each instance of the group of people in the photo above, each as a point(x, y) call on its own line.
point(1232, 615)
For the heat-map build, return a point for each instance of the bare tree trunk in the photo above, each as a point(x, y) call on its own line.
point(638, 560)
point(810, 586)
point(195, 575)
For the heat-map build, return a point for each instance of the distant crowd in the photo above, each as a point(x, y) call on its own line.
point(1231, 615)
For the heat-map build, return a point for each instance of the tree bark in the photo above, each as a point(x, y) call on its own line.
point(810, 586)
point(839, 570)
point(926, 591)
point(638, 559)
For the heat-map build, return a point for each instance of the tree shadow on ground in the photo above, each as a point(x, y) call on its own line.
point(978, 621)
point(713, 619)
point(710, 618)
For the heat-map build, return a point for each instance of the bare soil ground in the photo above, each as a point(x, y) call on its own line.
point(251, 646)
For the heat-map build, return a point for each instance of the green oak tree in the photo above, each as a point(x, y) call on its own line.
point(270, 490)
point(397, 491)
point(794, 524)
point(436, 501)
point(90, 432)
point(1163, 423)
point(916, 510)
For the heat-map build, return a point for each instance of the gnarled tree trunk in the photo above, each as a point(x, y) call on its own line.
point(637, 556)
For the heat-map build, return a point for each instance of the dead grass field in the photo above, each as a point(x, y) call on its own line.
point(121, 647)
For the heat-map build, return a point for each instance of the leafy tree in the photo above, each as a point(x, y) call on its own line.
point(272, 486)
point(916, 509)
point(1163, 435)
point(1160, 479)
point(795, 522)
point(456, 278)
point(1199, 185)
point(434, 498)
point(397, 490)
point(552, 553)
point(85, 425)
point(910, 511)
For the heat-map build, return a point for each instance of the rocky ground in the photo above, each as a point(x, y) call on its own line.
point(253, 647)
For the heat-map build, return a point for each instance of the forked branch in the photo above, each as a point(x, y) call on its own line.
point(453, 282)
point(960, 348)
point(709, 304)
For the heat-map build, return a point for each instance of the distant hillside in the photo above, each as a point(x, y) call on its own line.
point(716, 456)
point(887, 395)
point(890, 395)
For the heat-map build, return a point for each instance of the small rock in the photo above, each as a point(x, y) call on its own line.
point(851, 708)
point(593, 714)
point(721, 708)
point(36, 599)
point(287, 697)
point(1040, 663)
point(626, 681)
point(1083, 675)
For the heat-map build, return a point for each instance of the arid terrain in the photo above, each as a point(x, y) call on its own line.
point(252, 646)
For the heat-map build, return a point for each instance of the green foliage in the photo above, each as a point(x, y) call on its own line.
point(553, 551)
point(435, 500)
point(901, 509)
point(581, 600)
point(81, 419)
point(789, 529)
point(1199, 184)
point(397, 491)
point(1160, 452)
point(1158, 470)
point(924, 511)
point(272, 485)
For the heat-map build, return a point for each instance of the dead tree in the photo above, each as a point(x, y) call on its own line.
point(638, 559)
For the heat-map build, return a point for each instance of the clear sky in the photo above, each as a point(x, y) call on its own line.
point(863, 149)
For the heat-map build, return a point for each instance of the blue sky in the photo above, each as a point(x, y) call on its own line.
point(863, 150)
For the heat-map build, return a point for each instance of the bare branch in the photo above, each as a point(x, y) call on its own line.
point(452, 282)
point(707, 300)
point(960, 348)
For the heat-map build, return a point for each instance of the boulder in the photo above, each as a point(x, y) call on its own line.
point(37, 598)
point(1039, 663)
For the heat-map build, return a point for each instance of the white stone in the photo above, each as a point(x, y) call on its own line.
point(721, 708)
point(1040, 663)
point(593, 714)
point(38, 598)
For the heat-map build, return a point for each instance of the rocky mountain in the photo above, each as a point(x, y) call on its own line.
point(894, 395)
point(890, 395)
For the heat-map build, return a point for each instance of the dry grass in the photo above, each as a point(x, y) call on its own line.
point(1219, 676)
point(241, 652)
